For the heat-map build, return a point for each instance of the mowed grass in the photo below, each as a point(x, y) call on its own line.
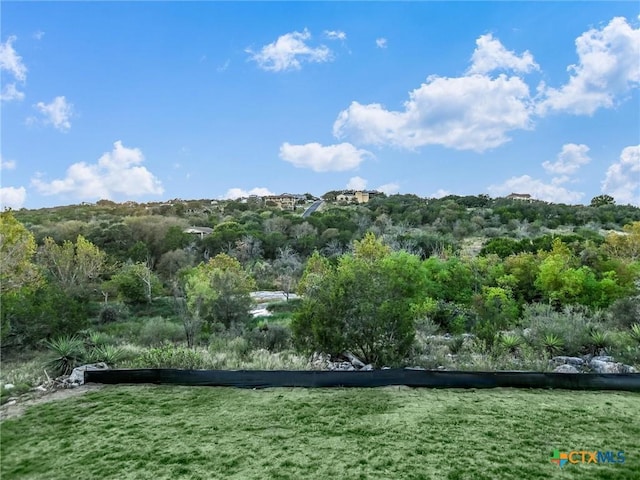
point(171, 432)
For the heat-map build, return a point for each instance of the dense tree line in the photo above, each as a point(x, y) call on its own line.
point(61, 266)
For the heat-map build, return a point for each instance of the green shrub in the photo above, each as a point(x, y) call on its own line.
point(68, 353)
point(157, 330)
point(274, 338)
point(552, 344)
point(113, 312)
point(285, 307)
point(456, 344)
point(572, 326)
point(108, 354)
point(635, 332)
point(511, 342)
point(171, 356)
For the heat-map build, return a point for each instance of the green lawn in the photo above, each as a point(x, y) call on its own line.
point(170, 432)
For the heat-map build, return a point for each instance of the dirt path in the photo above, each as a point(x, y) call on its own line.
point(15, 408)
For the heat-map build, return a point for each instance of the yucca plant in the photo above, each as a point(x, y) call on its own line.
point(456, 344)
point(552, 343)
point(635, 332)
point(108, 354)
point(68, 353)
point(511, 341)
point(598, 341)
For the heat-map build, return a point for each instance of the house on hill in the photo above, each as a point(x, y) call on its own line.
point(202, 231)
point(525, 197)
point(286, 201)
point(358, 196)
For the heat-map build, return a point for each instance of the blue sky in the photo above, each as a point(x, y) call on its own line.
point(152, 101)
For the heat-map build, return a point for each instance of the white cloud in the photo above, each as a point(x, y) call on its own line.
point(117, 173)
point(440, 193)
point(491, 55)
point(550, 192)
point(570, 159)
point(224, 66)
point(235, 193)
point(10, 92)
point(622, 180)
point(465, 113)
point(388, 188)
point(357, 183)
point(335, 35)
point(57, 113)
point(381, 42)
point(320, 158)
point(38, 35)
point(608, 67)
point(288, 52)
point(7, 164)
point(11, 61)
point(12, 197)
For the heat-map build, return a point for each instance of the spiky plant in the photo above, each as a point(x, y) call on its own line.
point(108, 354)
point(552, 343)
point(511, 342)
point(598, 341)
point(68, 352)
point(456, 344)
point(635, 332)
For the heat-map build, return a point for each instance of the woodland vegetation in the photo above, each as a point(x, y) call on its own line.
point(124, 283)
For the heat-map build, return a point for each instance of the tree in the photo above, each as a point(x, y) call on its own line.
point(219, 291)
point(368, 305)
point(287, 268)
point(75, 267)
point(17, 248)
point(136, 283)
point(602, 200)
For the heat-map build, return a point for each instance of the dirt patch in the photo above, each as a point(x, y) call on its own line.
point(16, 407)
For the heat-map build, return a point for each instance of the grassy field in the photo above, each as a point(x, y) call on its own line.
point(163, 432)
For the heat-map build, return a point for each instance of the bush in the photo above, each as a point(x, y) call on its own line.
point(171, 356)
point(68, 353)
point(158, 330)
point(572, 327)
point(113, 312)
point(285, 307)
point(274, 338)
point(106, 353)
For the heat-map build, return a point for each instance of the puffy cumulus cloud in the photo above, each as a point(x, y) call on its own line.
point(335, 35)
point(607, 68)
point(11, 63)
point(569, 161)
point(465, 113)
point(288, 52)
point(7, 164)
point(381, 42)
point(57, 113)
point(10, 92)
point(12, 197)
point(549, 192)
point(357, 183)
point(235, 193)
point(388, 188)
point(491, 55)
point(117, 173)
point(440, 193)
point(320, 158)
point(622, 180)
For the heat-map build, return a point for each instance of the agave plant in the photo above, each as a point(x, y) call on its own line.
point(108, 354)
point(456, 344)
point(552, 343)
point(511, 341)
point(635, 332)
point(598, 341)
point(68, 353)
